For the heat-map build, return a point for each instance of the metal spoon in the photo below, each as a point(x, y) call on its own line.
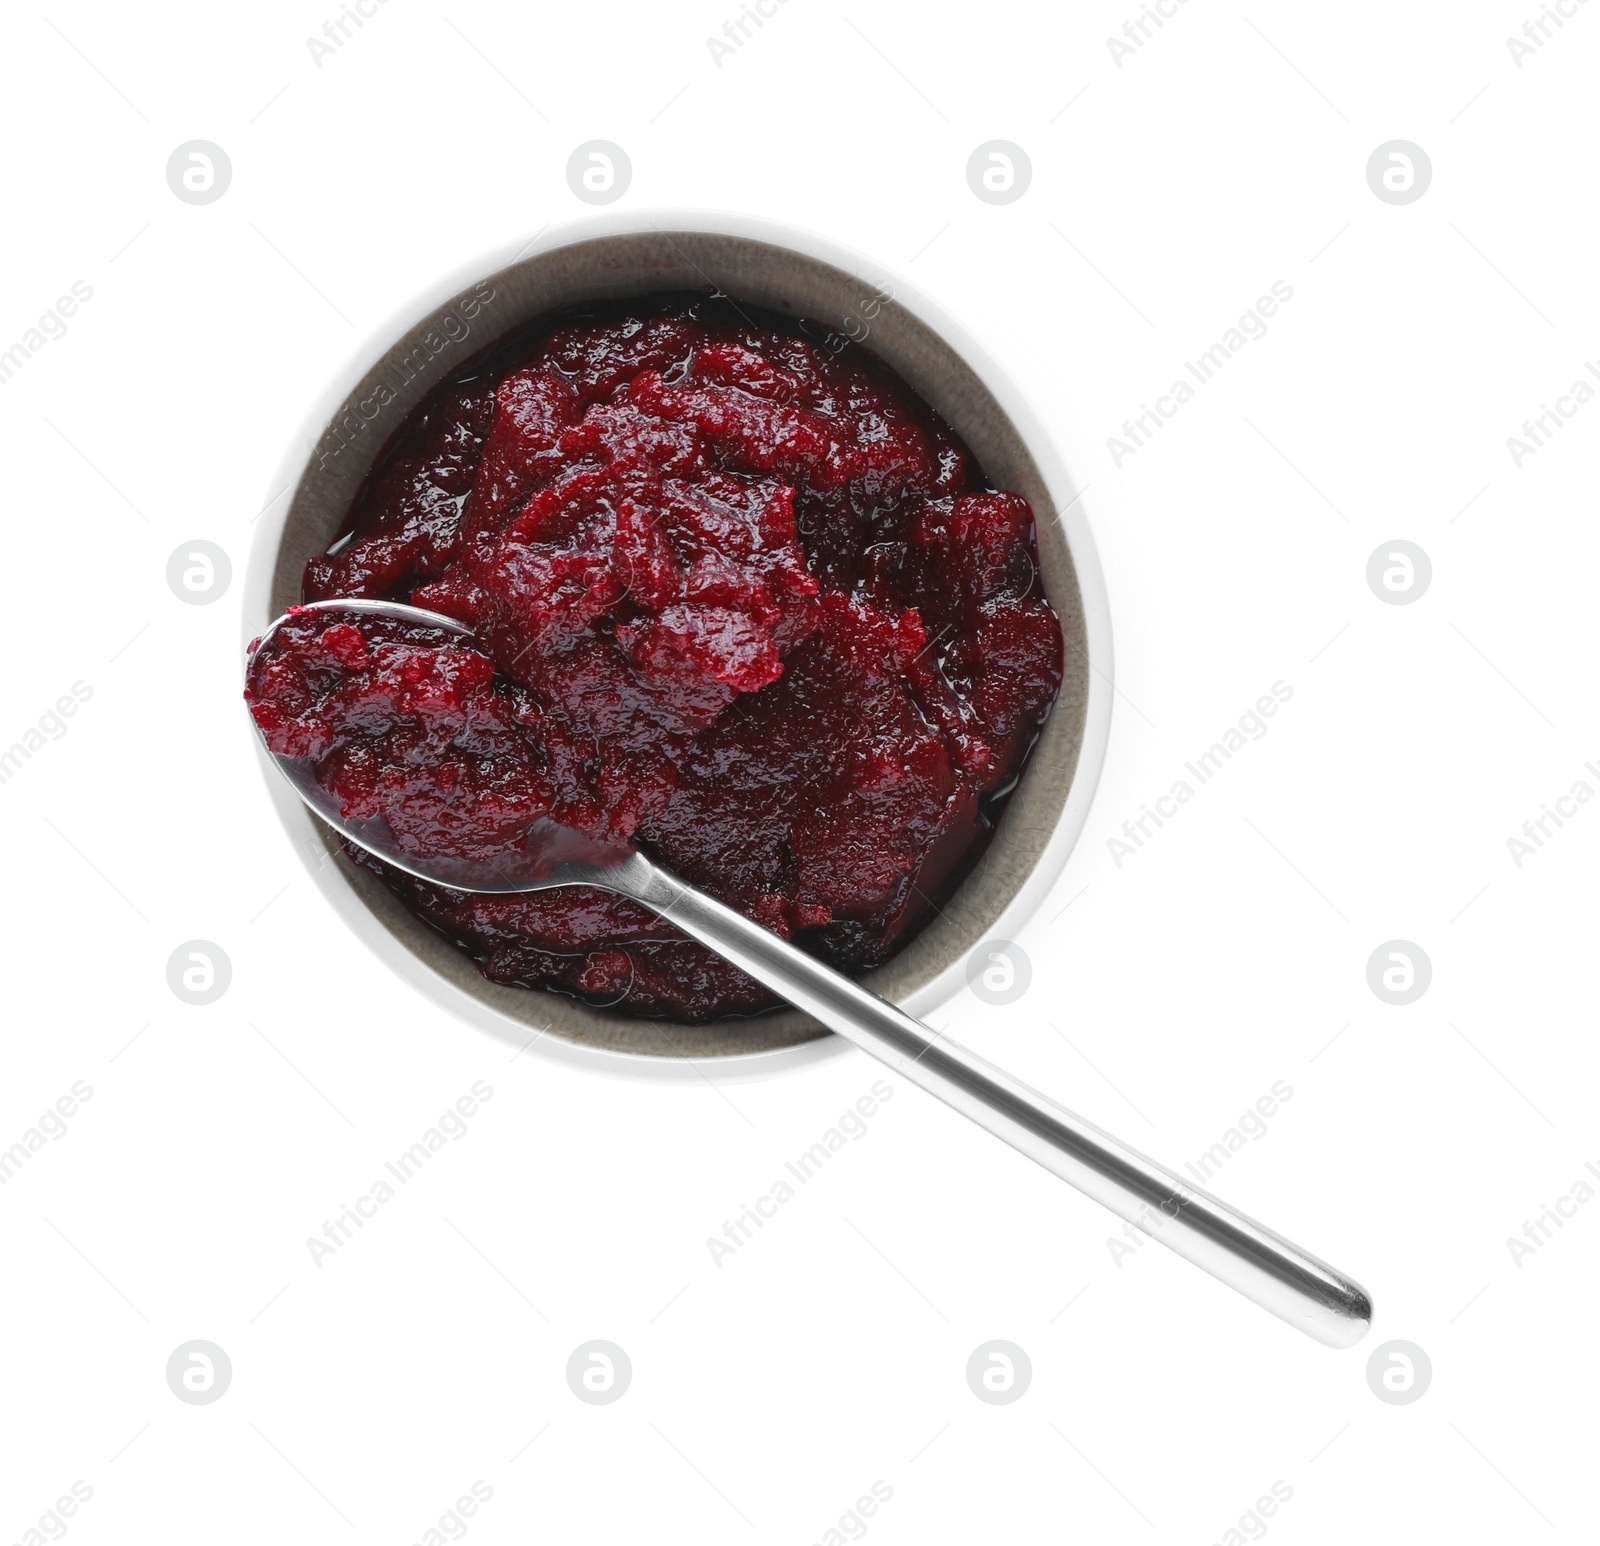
point(1260, 1264)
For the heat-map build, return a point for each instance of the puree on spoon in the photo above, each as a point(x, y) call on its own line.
point(738, 596)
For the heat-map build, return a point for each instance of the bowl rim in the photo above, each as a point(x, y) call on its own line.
point(1072, 515)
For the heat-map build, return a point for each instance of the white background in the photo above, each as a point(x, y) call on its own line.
point(1168, 993)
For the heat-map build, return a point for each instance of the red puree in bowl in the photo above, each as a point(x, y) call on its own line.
point(740, 597)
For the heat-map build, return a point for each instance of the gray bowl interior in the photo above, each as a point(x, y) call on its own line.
point(783, 280)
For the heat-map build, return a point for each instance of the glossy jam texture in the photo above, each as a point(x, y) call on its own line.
point(736, 596)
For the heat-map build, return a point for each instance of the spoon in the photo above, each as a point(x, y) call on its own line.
point(1259, 1263)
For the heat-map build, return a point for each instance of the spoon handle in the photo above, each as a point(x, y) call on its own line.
point(1260, 1264)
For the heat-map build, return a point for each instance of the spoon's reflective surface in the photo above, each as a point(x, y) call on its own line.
point(1260, 1264)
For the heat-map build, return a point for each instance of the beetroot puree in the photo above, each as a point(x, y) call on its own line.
point(739, 596)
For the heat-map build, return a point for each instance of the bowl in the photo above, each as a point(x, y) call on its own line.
point(784, 270)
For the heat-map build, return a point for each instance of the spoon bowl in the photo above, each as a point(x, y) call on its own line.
point(547, 855)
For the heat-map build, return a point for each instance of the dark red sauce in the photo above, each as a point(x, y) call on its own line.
point(738, 596)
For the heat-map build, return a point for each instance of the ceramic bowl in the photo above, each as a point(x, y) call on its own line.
point(784, 270)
